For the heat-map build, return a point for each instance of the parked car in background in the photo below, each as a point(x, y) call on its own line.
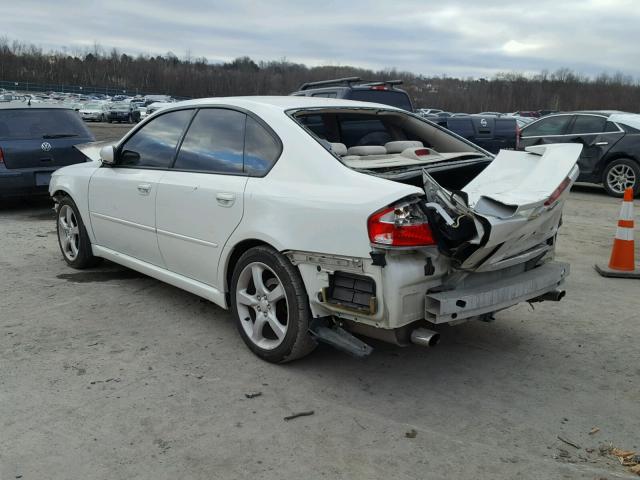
point(94, 112)
point(313, 218)
point(352, 88)
point(122, 112)
point(428, 111)
point(34, 142)
point(488, 132)
point(155, 106)
point(527, 113)
point(610, 140)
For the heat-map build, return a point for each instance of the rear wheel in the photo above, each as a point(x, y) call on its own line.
point(72, 236)
point(621, 174)
point(270, 306)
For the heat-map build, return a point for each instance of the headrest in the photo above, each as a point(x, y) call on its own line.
point(339, 149)
point(367, 150)
point(401, 145)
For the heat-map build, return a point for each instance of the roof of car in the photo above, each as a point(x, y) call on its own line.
point(605, 113)
point(281, 102)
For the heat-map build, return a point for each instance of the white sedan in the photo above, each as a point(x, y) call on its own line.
point(314, 219)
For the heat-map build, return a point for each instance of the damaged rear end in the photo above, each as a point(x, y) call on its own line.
point(499, 232)
point(477, 235)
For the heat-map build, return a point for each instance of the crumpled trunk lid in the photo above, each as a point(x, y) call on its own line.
point(510, 212)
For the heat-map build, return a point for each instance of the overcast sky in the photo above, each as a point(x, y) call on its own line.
point(454, 37)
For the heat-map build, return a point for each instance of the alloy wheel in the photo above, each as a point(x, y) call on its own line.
point(262, 306)
point(621, 177)
point(68, 232)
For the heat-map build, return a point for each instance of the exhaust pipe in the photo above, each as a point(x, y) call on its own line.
point(552, 296)
point(425, 337)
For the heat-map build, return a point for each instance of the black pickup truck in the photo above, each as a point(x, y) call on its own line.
point(488, 132)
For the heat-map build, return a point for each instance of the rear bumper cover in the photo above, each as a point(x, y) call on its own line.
point(24, 180)
point(452, 305)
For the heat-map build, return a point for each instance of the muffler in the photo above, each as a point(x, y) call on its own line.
point(425, 337)
point(552, 296)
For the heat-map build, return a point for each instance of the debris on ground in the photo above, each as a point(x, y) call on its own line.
point(253, 395)
point(627, 458)
point(411, 433)
point(594, 430)
point(299, 414)
point(569, 442)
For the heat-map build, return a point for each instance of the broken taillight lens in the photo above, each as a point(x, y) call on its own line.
point(553, 198)
point(400, 225)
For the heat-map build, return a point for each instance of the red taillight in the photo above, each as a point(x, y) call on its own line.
point(401, 225)
point(553, 198)
point(1, 155)
point(379, 87)
point(420, 152)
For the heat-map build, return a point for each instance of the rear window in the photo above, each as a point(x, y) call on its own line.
point(41, 123)
point(386, 97)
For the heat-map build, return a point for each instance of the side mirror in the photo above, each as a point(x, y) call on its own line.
point(108, 155)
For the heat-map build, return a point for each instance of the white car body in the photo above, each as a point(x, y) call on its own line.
point(184, 227)
point(93, 112)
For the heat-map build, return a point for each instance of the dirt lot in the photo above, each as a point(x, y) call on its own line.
point(108, 374)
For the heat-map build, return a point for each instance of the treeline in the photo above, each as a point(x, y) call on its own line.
point(196, 77)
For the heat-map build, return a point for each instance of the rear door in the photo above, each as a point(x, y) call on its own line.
point(596, 135)
point(122, 198)
point(41, 137)
point(201, 200)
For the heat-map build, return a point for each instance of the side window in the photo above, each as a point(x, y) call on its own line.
point(214, 142)
point(154, 145)
point(611, 127)
point(547, 126)
point(261, 150)
point(325, 95)
point(588, 124)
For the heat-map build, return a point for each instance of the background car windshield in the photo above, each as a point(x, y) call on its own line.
point(93, 106)
point(38, 123)
point(386, 97)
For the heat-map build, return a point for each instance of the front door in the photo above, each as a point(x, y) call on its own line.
point(122, 197)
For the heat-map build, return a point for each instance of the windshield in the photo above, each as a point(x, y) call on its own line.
point(387, 97)
point(41, 123)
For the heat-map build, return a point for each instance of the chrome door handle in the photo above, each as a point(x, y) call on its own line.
point(144, 188)
point(600, 144)
point(225, 199)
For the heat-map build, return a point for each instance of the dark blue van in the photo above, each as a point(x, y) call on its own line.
point(34, 142)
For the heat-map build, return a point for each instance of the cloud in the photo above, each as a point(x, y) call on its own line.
point(462, 38)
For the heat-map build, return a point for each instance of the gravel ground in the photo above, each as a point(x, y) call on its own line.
point(109, 374)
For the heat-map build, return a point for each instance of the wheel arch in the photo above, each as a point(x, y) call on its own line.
point(609, 159)
point(234, 255)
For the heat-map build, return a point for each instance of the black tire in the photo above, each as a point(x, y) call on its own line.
point(110, 121)
point(297, 341)
point(102, 118)
point(84, 258)
point(621, 163)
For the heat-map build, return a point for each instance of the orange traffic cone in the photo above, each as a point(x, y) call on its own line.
point(622, 262)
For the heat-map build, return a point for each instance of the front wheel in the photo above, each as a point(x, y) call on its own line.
point(72, 236)
point(270, 305)
point(621, 174)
